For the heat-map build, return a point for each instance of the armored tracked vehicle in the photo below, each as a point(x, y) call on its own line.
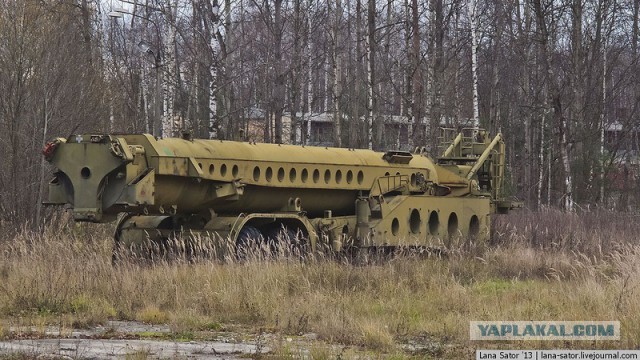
point(247, 192)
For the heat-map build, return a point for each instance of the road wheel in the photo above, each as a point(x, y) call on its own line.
point(250, 243)
point(287, 242)
point(117, 253)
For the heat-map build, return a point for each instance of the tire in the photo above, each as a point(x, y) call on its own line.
point(116, 254)
point(117, 251)
point(250, 243)
point(286, 242)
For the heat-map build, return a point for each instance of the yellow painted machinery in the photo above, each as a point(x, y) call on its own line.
point(241, 191)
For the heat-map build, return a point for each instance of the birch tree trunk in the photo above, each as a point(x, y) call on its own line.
point(337, 74)
point(635, 27)
point(296, 71)
point(541, 153)
point(327, 90)
point(278, 95)
point(211, 25)
point(170, 72)
point(413, 75)
point(357, 115)
point(309, 75)
point(603, 121)
point(370, 51)
point(43, 165)
point(542, 68)
point(225, 86)
point(577, 104)
point(144, 91)
point(564, 153)
point(417, 110)
point(408, 74)
point(436, 71)
point(495, 125)
point(523, 17)
point(473, 14)
point(556, 103)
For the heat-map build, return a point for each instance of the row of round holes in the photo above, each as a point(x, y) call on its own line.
point(434, 224)
point(304, 176)
point(415, 222)
point(292, 174)
point(223, 170)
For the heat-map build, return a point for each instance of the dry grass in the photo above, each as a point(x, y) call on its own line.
point(542, 266)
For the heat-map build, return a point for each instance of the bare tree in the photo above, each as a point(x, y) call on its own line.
point(336, 64)
point(370, 51)
point(473, 21)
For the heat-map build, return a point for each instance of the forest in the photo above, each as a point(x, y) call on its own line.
point(559, 79)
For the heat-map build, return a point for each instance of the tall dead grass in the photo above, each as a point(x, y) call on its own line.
point(541, 266)
point(594, 233)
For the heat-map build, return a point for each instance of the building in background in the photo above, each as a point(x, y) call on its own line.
point(395, 134)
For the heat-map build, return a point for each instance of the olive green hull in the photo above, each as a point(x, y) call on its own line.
point(256, 199)
point(332, 195)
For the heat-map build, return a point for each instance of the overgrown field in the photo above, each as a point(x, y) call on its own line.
point(540, 266)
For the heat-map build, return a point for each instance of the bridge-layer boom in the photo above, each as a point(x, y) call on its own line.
point(223, 186)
